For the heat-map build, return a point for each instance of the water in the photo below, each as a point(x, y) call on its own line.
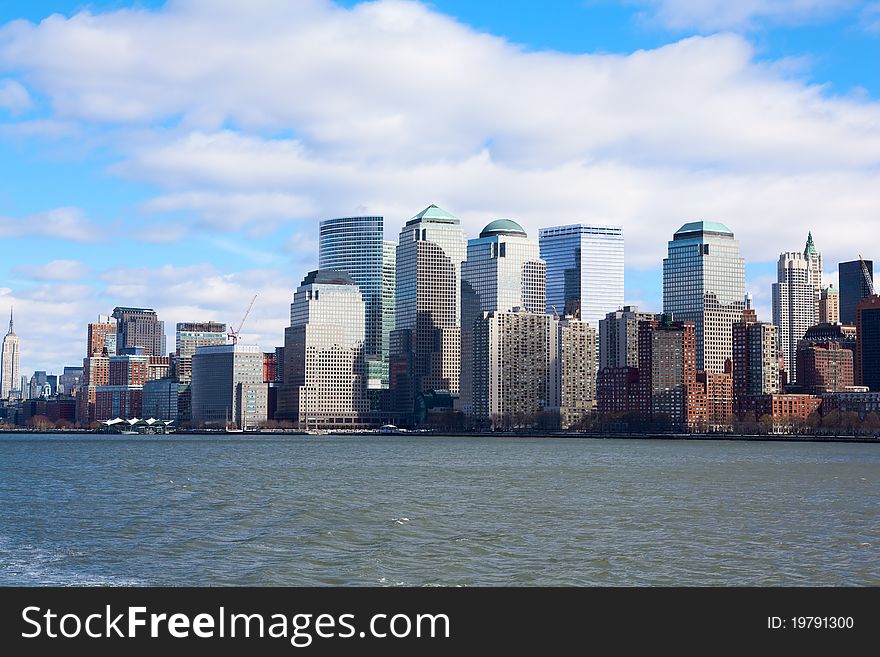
point(333, 510)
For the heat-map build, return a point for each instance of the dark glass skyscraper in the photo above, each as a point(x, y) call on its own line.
point(867, 360)
point(853, 288)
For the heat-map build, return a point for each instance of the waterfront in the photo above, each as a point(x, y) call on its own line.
point(429, 510)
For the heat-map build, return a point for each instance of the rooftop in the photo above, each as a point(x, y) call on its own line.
point(434, 215)
point(328, 277)
point(503, 227)
point(704, 227)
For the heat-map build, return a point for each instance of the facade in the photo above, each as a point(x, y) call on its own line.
point(786, 410)
point(426, 341)
point(122, 396)
point(796, 301)
point(704, 283)
point(70, 380)
point(825, 367)
point(139, 327)
point(324, 382)
point(189, 337)
point(102, 337)
point(10, 363)
point(223, 377)
point(861, 403)
point(829, 306)
point(503, 272)
point(718, 390)
point(867, 357)
point(853, 288)
point(356, 246)
point(573, 378)
point(584, 270)
point(755, 361)
point(619, 337)
point(160, 399)
point(617, 390)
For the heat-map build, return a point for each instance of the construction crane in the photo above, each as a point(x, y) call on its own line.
point(234, 333)
point(868, 282)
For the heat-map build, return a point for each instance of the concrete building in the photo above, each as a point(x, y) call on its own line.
point(356, 246)
point(426, 341)
point(755, 362)
point(585, 269)
point(139, 327)
point(704, 283)
point(829, 306)
point(867, 357)
point(122, 396)
point(853, 288)
point(10, 363)
point(503, 272)
point(324, 380)
point(102, 337)
point(619, 337)
point(573, 377)
point(227, 381)
point(825, 367)
point(796, 300)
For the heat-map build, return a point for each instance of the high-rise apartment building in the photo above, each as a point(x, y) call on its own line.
point(227, 387)
point(829, 306)
point(853, 288)
point(824, 367)
point(584, 270)
point(755, 361)
point(324, 382)
point(867, 360)
point(356, 246)
point(503, 272)
point(796, 300)
point(619, 337)
point(122, 396)
point(10, 362)
point(573, 377)
point(139, 327)
point(426, 341)
point(102, 337)
point(704, 283)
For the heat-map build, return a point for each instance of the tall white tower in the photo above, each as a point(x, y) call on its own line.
point(10, 361)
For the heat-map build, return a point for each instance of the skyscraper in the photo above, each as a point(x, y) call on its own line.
point(796, 300)
point(102, 337)
point(426, 341)
point(853, 288)
point(829, 306)
point(704, 283)
point(584, 269)
point(227, 386)
point(619, 337)
point(503, 272)
point(867, 360)
point(139, 327)
point(189, 337)
point(324, 384)
point(755, 361)
point(10, 361)
point(356, 246)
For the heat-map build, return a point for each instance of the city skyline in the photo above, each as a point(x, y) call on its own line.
point(129, 181)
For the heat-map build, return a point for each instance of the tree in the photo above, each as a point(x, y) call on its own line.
point(871, 424)
point(766, 424)
point(40, 423)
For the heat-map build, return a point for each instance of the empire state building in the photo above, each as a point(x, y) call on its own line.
point(10, 362)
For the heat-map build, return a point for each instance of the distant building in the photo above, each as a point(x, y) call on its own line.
point(853, 288)
point(704, 283)
point(619, 337)
point(867, 360)
point(10, 363)
point(123, 395)
point(227, 387)
point(160, 399)
point(573, 378)
point(829, 306)
point(824, 367)
point(503, 272)
point(426, 341)
point(796, 300)
point(755, 362)
point(324, 384)
point(785, 411)
point(139, 327)
point(102, 337)
point(189, 336)
point(70, 380)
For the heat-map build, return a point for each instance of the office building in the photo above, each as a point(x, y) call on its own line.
point(356, 246)
point(324, 379)
point(704, 283)
point(867, 357)
point(426, 341)
point(160, 399)
point(584, 270)
point(189, 337)
point(503, 272)
point(829, 306)
point(227, 387)
point(853, 287)
point(10, 363)
point(139, 327)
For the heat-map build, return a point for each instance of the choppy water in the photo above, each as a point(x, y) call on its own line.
point(187, 510)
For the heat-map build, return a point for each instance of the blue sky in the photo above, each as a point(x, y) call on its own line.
point(180, 155)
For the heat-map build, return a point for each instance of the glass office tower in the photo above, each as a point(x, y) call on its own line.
point(356, 246)
point(704, 283)
point(584, 270)
point(853, 288)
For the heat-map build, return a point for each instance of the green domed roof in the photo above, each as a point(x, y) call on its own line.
point(503, 227)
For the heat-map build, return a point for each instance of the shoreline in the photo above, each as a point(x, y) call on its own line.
point(720, 436)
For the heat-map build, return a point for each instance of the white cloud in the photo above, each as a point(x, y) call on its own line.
point(55, 270)
point(870, 17)
point(60, 223)
point(14, 97)
point(711, 15)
